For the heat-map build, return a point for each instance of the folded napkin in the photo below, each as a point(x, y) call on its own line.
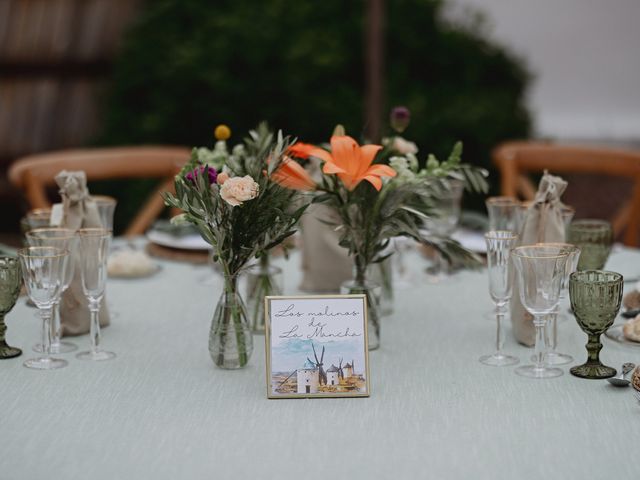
point(542, 223)
point(79, 211)
point(325, 264)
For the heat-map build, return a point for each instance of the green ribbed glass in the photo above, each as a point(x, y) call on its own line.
point(595, 296)
point(594, 238)
point(10, 284)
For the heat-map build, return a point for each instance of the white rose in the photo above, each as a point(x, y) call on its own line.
point(403, 146)
point(236, 190)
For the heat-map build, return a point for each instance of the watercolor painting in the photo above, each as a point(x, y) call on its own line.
point(316, 346)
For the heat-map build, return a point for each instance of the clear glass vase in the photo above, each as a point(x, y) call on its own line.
point(381, 273)
point(230, 340)
point(373, 293)
point(262, 280)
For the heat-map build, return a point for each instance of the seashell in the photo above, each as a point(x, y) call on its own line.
point(631, 329)
point(631, 300)
point(635, 380)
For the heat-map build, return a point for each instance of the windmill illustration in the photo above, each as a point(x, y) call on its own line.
point(340, 370)
point(318, 363)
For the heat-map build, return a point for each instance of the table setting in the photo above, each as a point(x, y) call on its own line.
point(155, 366)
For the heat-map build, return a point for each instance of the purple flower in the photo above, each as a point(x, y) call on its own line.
point(192, 175)
point(400, 118)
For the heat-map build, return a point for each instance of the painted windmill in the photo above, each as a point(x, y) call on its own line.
point(318, 363)
point(340, 370)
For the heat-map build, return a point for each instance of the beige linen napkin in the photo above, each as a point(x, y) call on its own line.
point(542, 223)
point(325, 264)
point(79, 211)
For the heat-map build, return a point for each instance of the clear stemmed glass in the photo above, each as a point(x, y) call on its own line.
point(106, 209)
point(43, 270)
point(504, 213)
point(594, 237)
point(94, 250)
point(443, 223)
point(595, 298)
point(499, 246)
point(551, 329)
point(541, 269)
point(64, 239)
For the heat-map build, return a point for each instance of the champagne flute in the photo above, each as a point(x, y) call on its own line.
point(64, 239)
point(10, 284)
point(106, 209)
point(595, 296)
point(504, 213)
point(43, 270)
point(594, 237)
point(541, 269)
point(94, 250)
point(499, 246)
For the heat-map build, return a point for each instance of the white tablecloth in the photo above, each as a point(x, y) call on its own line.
point(162, 410)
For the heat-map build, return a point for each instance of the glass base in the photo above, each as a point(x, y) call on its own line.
point(45, 363)
point(533, 371)
point(62, 347)
point(555, 358)
point(499, 360)
point(98, 356)
point(593, 371)
point(9, 352)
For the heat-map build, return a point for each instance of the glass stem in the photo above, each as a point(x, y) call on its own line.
point(500, 313)
point(46, 314)
point(3, 330)
point(593, 350)
point(540, 348)
point(56, 328)
point(94, 329)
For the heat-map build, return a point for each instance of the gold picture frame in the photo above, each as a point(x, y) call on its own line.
point(299, 332)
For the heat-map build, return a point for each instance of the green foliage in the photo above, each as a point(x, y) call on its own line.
point(239, 233)
point(371, 218)
point(189, 64)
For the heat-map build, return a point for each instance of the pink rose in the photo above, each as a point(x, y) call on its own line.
point(222, 177)
point(236, 190)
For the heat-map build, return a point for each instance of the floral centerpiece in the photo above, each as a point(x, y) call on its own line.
point(233, 199)
point(378, 196)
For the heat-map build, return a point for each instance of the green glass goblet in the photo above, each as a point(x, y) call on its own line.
point(594, 238)
point(595, 298)
point(10, 283)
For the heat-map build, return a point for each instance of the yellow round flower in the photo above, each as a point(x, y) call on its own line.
point(222, 132)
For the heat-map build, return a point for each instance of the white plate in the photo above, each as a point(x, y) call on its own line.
point(185, 242)
point(470, 240)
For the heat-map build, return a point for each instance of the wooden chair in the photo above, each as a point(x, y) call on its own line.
point(516, 159)
point(34, 173)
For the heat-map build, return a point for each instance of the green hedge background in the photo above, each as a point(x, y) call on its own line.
point(188, 65)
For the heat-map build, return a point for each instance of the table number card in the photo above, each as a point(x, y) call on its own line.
point(316, 346)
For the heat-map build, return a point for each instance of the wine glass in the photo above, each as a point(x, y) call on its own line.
point(94, 250)
point(504, 213)
point(43, 270)
point(595, 298)
point(64, 239)
point(443, 222)
point(499, 246)
point(541, 269)
point(594, 237)
point(10, 284)
point(551, 329)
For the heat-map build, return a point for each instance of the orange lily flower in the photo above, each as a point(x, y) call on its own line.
point(350, 161)
point(291, 174)
point(301, 150)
